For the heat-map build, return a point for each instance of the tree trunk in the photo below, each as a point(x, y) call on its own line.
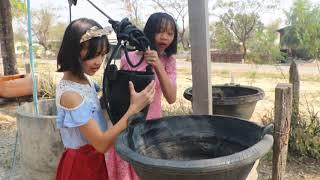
point(6, 39)
point(184, 44)
point(244, 50)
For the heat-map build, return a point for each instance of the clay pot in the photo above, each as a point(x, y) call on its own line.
point(15, 85)
point(11, 77)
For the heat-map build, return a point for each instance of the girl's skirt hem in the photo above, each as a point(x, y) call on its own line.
point(84, 163)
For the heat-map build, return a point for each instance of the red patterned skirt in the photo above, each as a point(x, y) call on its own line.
point(84, 163)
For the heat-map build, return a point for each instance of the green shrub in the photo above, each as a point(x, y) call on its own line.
point(283, 58)
point(305, 137)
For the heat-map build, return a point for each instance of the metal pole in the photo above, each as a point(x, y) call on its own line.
point(35, 95)
point(70, 13)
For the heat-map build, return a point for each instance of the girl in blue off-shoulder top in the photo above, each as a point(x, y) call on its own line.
point(80, 119)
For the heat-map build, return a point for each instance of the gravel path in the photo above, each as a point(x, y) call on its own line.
point(7, 142)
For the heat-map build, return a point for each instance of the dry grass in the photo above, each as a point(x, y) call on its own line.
point(310, 95)
point(309, 85)
point(6, 122)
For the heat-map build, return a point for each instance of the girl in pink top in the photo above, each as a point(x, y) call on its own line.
point(161, 30)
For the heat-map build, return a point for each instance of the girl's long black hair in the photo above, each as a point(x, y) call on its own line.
point(69, 54)
point(154, 24)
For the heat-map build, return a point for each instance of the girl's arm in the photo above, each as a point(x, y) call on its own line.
point(102, 141)
point(168, 87)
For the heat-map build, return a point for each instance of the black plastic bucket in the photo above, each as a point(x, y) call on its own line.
point(116, 89)
point(232, 100)
point(193, 147)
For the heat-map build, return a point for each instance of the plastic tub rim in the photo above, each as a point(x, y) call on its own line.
point(203, 166)
point(223, 163)
point(231, 100)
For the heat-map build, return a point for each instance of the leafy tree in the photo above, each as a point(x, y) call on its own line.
point(263, 48)
point(18, 8)
point(55, 36)
point(132, 9)
point(221, 38)
point(47, 31)
point(303, 31)
point(241, 17)
point(20, 36)
point(42, 21)
point(179, 11)
point(20, 41)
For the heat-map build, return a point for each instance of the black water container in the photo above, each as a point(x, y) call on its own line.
point(116, 89)
point(193, 147)
point(232, 100)
point(116, 95)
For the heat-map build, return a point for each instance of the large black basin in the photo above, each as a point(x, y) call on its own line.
point(232, 100)
point(193, 147)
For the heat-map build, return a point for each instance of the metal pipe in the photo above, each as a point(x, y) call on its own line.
point(35, 95)
point(70, 13)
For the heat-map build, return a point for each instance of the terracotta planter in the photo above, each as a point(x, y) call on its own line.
point(11, 77)
point(15, 85)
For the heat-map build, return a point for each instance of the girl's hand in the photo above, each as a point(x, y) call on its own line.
point(139, 100)
point(151, 57)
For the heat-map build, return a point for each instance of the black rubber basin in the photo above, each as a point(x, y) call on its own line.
point(193, 147)
point(232, 100)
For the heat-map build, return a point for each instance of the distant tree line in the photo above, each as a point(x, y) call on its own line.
point(237, 27)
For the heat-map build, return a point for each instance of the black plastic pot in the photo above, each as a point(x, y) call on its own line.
point(193, 147)
point(232, 100)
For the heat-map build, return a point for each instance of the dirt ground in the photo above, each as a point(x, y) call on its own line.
point(7, 141)
point(265, 77)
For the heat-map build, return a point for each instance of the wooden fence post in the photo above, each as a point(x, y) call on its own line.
point(282, 120)
point(27, 68)
point(294, 79)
